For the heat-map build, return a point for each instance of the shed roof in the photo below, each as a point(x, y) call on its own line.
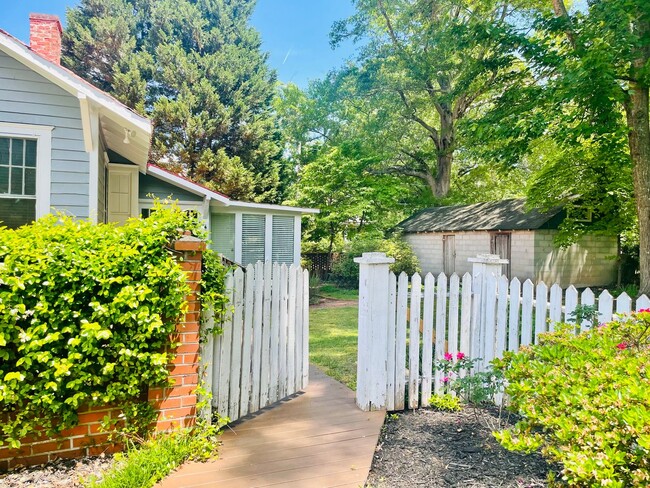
point(498, 215)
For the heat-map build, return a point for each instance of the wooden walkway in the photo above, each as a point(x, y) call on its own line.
point(319, 439)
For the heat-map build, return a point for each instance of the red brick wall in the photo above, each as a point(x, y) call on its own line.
point(45, 36)
point(176, 405)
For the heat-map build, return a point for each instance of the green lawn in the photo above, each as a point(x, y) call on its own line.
point(333, 342)
point(328, 290)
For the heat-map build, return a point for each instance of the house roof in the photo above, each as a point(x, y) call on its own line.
point(219, 198)
point(497, 215)
point(115, 118)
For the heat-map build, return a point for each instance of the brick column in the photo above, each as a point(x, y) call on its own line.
point(176, 404)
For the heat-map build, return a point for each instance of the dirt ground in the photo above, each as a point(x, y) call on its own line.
point(443, 449)
point(63, 473)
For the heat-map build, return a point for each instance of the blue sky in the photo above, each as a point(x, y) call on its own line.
point(294, 32)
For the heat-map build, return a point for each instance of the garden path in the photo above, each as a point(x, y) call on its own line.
point(317, 439)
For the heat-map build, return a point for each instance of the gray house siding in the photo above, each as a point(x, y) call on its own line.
point(28, 98)
point(150, 185)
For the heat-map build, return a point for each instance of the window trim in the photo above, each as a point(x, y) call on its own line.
point(43, 136)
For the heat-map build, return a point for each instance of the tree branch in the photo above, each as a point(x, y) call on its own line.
point(433, 132)
point(561, 12)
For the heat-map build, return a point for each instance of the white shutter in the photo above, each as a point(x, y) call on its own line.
point(122, 192)
point(253, 231)
point(283, 239)
point(223, 234)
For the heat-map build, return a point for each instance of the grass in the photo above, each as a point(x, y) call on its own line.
point(333, 342)
point(142, 466)
point(331, 291)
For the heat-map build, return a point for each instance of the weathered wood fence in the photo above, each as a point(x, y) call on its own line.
point(263, 354)
point(406, 323)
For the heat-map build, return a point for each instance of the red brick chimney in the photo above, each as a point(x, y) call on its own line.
point(45, 36)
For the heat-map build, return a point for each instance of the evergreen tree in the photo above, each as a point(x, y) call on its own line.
point(196, 68)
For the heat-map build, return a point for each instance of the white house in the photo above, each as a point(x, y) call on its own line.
point(68, 146)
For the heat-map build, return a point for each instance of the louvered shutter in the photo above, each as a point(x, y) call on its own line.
point(253, 231)
point(283, 239)
point(223, 234)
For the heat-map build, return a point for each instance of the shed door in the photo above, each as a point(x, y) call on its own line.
point(500, 244)
point(449, 254)
point(122, 192)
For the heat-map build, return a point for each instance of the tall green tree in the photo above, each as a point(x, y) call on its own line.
point(197, 69)
point(425, 64)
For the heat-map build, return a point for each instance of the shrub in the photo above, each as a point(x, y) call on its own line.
point(346, 272)
point(585, 401)
point(86, 312)
point(446, 403)
point(473, 388)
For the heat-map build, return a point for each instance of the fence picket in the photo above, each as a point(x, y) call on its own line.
point(274, 383)
point(298, 326)
point(587, 298)
point(605, 306)
point(249, 290)
point(284, 321)
point(513, 319)
point(236, 360)
point(454, 301)
point(465, 314)
point(623, 303)
point(502, 316)
point(541, 308)
point(555, 308)
point(642, 303)
point(527, 313)
point(427, 339)
point(225, 344)
point(570, 304)
point(265, 377)
point(400, 341)
point(258, 305)
point(391, 342)
point(414, 340)
point(305, 329)
point(291, 330)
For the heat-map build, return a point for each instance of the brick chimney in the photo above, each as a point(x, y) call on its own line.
point(45, 36)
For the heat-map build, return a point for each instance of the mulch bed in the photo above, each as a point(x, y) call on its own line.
point(63, 473)
point(443, 449)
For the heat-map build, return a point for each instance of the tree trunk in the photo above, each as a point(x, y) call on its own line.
point(443, 176)
point(638, 121)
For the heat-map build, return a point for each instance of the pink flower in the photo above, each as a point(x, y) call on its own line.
point(460, 355)
point(644, 310)
point(622, 345)
point(601, 325)
point(446, 380)
point(449, 356)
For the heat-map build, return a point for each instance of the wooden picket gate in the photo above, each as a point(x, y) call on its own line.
point(405, 324)
point(262, 356)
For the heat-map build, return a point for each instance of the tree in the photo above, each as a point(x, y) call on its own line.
point(425, 65)
point(196, 68)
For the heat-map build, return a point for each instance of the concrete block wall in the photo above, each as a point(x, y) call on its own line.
point(427, 246)
point(522, 255)
point(589, 262)
point(176, 405)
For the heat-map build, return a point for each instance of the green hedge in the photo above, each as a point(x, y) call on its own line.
point(85, 315)
point(585, 402)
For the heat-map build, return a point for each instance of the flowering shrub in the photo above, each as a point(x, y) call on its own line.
point(585, 401)
point(473, 388)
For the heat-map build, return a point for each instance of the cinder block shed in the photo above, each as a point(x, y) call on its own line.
point(443, 238)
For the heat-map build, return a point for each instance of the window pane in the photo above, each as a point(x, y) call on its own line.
point(16, 181)
point(253, 233)
point(4, 150)
point(4, 179)
point(17, 152)
point(30, 153)
point(16, 212)
point(30, 181)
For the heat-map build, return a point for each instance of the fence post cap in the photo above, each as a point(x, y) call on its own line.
point(488, 259)
point(374, 258)
point(189, 243)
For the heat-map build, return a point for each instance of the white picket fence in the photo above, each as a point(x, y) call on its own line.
point(263, 354)
point(480, 314)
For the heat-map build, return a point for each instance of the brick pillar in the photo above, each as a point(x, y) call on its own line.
point(176, 404)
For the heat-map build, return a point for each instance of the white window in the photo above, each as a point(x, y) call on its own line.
point(253, 238)
point(25, 162)
point(223, 234)
point(283, 239)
